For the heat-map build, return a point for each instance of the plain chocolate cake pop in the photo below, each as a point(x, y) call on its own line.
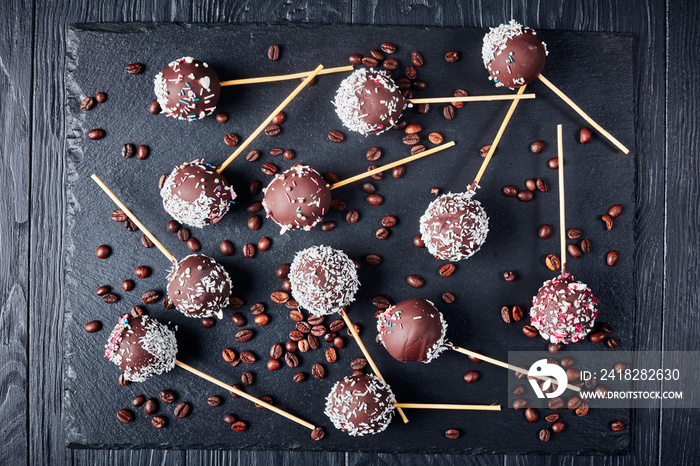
point(369, 101)
point(323, 279)
point(454, 226)
point(412, 330)
point(194, 194)
point(564, 310)
point(142, 347)
point(297, 199)
point(187, 89)
point(360, 405)
point(199, 286)
point(513, 55)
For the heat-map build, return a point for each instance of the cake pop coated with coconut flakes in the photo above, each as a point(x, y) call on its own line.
point(194, 194)
point(199, 286)
point(142, 347)
point(564, 310)
point(454, 226)
point(187, 89)
point(323, 279)
point(360, 405)
point(369, 101)
point(513, 55)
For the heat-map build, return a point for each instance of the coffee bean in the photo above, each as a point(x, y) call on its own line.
point(447, 270)
point(183, 234)
point(291, 359)
point(280, 297)
point(134, 68)
point(318, 330)
point(239, 426)
point(136, 311)
point(273, 52)
point(262, 320)
point(288, 154)
point(336, 136)
point(452, 434)
point(244, 335)
point(182, 410)
point(355, 58)
point(566, 362)
point(276, 151)
point(154, 107)
point(193, 245)
point(611, 342)
point(585, 136)
point(229, 419)
point(552, 262)
point(125, 416)
point(317, 434)
point(87, 103)
point(471, 376)
point(252, 156)
point(545, 231)
point(554, 348)
point(413, 128)
point(254, 187)
point(618, 426)
point(370, 62)
point(435, 138)
point(415, 281)
point(247, 357)
point(519, 404)
point(158, 422)
point(611, 258)
point(608, 221)
point(423, 108)
point(110, 298)
point(574, 251)
point(375, 199)
point(382, 233)
point(130, 226)
point(459, 93)
point(328, 226)
point(544, 435)
point(123, 381)
point(417, 149)
point(582, 410)
point(257, 309)
point(208, 322)
point(388, 47)
point(303, 327)
point(103, 290)
point(530, 331)
point(510, 191)
point(331, 355)
point(377, 54)
point(509, 275)
point(553, 163)
point(517, 313)
point(555, 403)
point(615, 211)
point(95, 134)
point(93, 326)
point(531, 185)
point(506, 314)
point(399, 171)
point(381, 302)
point(452, 57)
point(390, 64)
point(128, 285)
point(572, 374)
point(541, 185)
point(272, 130)
point(248, 250)
point(525, 196)
point(318, 371)
point(376, 176)
point(151, 406)
point(574, 403)
point(166, 396)
point(448, 297)
point(264, 243)
point(411, 139)
point(448, 111)
point(103, 251)
point(417, 59)
point(296, 315)
point(573, 233)
point(143, 271)
point(143, 152)
point(531, 415)
point(276, 351)
point(537, 147)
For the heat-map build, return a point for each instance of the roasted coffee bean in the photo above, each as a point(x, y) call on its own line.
point(352, 216)
point(510, 191)
point(136, 311)
point(154, 107)
point(375, 199)
point(566, 362)
point(110, 298)
point(382, 233)
point(337, 325)
point(520, 403)
point(292, 305)
point(484, 152)
point(509, 275)
point(138, 401)
point(318, 330)
point(264, 243)
point(452, 57)
point(183, 234)
point(381, 302)
point(541, 185)
point(235, 302)
point(376, 54)
point(239, 426)
point(174, 226)
point(574, 403)
point(417, 59)
point(127, 152)
point(531, 185)
point(525, 196)
point(328, 226)
point(303, 327)
point(123, 381)
point(288, 154)
point(291, 360)
point(399, 171)
point(574, 251)
point(318, 371)
point(519, 391)
point(252, 156)
point(213, 401)
point(247, 357)
point(87, 103)
point(572, 375)
point(573, 233)
point(355, 59)
point(248, 250)
point(254, 187)
point(545, 231)
point(244, 335)
point(417, 149)
point(272, 130)
point(269, 169)
point(276, 351)
point(423, 108)
point(128, 285)
point(517, 313)
point(447, 270)
point(158, 422)
point(283, 271)
point(93, 326)
point(611, 342)
point(459, 93)
point(585, 136)
point(411, 72)
point(390, 64)
point(336, 136)
point(506, 314)
point(582, 410)
point(471, 376)
point(296, 335)
point(358, 364)
point(273, 364)
point(208, 322)
point(376, 176)
point(606, 327)
point(413, 128)
point(556, 403)
point(530, 331)
point(103, 290)
point(118, 216)
point(276, 151)
point(262, 320)
point(554, 348)
point(103, 251)
point(331, 355)
point(553, 163)
point(448, 111)
point(618, 426)
point(151, 406)
point(415, 281)
point(317, 434)
point(411, 139)
point(254, 222)
point(418, 241)
point(611, 258)
point(254, 207)
point(608, 221)
point(273, 52)
point(435, 138)
point(238, 320)
point(125, 416)
point(166, 396)
point(229, 419)
point(296, 315)
point(193, 245)
point(373, 154)
point(182, 410)
point(537, 147)
point(150, 297)
point(552, 262)
point(143, 152)
point(370, 62)
point(168, 304)
point(448, 297)
point(134, 68)
point(532, 415)
point(143, 271)
point(130, 226)
point(338, 342)
point(280, 297)
point(227, 248)
point(299, 377)
point(96, 134)
point(597, 337)
point(452, 434)
point(544, 435)
point(615, 211)
point(388, 47)
point(146, 241)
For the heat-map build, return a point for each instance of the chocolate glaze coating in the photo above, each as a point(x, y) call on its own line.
point(187, 89)
point(360, 405)
point(141, 347)
point(564, 310)
point(194, 194)
point(514, 55)
point(199, 286)
point(297, 198)
point(412, 330)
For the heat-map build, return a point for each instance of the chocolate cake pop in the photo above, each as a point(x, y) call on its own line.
point(187, 89)
point(323, 279)
point(564, 310)
point(297, 199)
point(454, 226)
point(199, 286)
point(513, 55)
point(194, 194)
point(412, 330)
point(142, 347)
point(360, 405)
point(369, 101)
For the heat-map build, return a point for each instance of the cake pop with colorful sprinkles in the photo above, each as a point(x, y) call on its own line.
point(513, 55)
point(199, 286)
point(564, 310)
point(454, 226)
point(369, 101)
point(142, 347)
point(360, 405)
point(187, 89)
point(194, 194)
point(297, 199)
point(412, 330)
point(323, 279)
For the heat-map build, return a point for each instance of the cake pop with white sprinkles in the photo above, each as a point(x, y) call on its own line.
point(194, 194)
point(369, 101)
point(360, 405)
point(564, 310)
point(513, 55)
point(323, 279)
point(187, 89)
point(142, 347)
point(199, 286)
point(297, 199)
point(454, 226)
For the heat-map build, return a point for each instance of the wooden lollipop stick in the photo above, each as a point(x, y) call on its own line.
point(133, 218)
point(562, 220)
point(472, 98)
point(448, 406)
point(496, 140)
point(284, 77)
point(410, 158)
point(369, 359)
point(267, 121)
point(505, 365)
point(243, 394)
point(583, 114)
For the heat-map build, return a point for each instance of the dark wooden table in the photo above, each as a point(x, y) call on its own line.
point(667, 225)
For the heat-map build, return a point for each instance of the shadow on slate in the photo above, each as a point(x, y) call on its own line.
point(593, 69)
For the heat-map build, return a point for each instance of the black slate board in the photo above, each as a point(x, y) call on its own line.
point(593, 69)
